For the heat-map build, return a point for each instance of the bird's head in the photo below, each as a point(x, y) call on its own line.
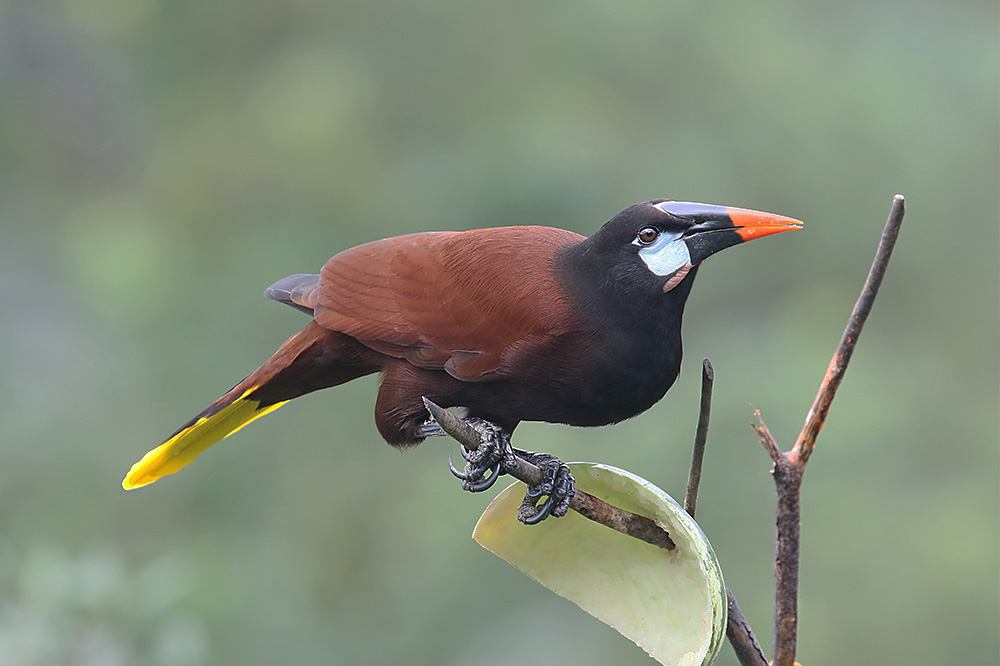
point(661, 240)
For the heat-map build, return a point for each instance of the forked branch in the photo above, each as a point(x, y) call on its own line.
point(789, 467)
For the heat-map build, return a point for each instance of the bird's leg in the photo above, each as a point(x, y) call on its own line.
point(557, 487)
point(496, 457)
point(430, 429)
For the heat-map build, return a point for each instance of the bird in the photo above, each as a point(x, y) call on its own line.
point(509, 324)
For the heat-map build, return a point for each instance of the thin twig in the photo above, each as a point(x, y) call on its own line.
point(741, 636)
point(588, 506)
point(767, 439)
point(700, 438)
point(738, 629)
point(789, 467)
point(838, 365)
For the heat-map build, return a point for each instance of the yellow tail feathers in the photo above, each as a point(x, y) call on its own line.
point(193, 440)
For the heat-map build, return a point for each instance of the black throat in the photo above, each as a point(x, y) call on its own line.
point(631, 329)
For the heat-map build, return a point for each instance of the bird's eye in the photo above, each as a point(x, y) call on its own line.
point(647, 235)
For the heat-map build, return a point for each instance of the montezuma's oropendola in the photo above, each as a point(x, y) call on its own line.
point(512, 324)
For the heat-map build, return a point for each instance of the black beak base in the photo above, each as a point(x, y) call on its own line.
point(715, 228)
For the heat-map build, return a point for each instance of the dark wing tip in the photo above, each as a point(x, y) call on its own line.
point(299, 291)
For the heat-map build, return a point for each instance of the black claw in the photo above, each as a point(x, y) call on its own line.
point(487, 482)
point(539, 513)
point(454, 471)
point(557, 486)
point(483, 466)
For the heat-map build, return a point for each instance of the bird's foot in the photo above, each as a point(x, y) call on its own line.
point(557, 487)
point(494, 458)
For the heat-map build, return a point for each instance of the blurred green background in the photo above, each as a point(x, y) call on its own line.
point(161, 163)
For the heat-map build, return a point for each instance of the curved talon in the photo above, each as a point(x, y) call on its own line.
point(486, 464)
point(557, 487)
point(458, 475)
point(479, 463)
point(487, 482)
point(541, 513)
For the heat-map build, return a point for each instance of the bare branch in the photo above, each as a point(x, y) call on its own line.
point(588, 506)
point(767, 439)
point(738, 629)
point(700, 438)
point(838, 365)
point(741, 636)
point(462, 432)
point(788, 481)
point(789, 467)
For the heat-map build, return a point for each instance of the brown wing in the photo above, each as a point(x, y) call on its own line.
point(461, 301)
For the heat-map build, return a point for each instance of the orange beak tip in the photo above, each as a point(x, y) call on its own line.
point(751, 224)
point(751, 233)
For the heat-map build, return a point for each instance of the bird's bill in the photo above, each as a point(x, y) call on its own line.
point(717, 227)
point(751, 224)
